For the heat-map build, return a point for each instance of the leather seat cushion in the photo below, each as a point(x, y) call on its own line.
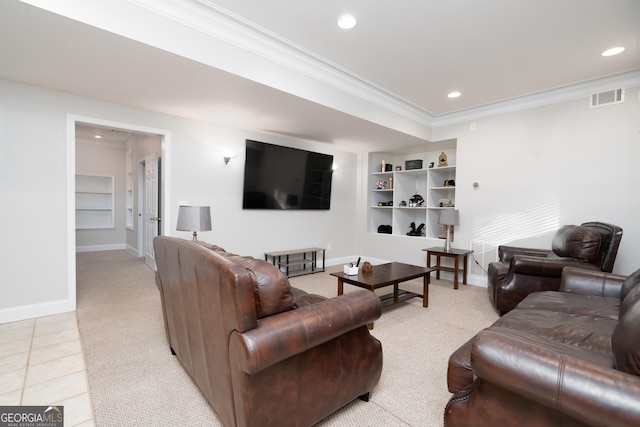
point(564, 302)
point(587, 332)
point(578, 242)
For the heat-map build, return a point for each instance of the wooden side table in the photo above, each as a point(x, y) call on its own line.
point(440, 253)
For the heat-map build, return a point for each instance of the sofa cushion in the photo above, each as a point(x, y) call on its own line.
point(271, 289)
point(630, 299)
point(625, 343)
point(588, 332)
point(629, 284)
point(573, 304)
point(578, 242)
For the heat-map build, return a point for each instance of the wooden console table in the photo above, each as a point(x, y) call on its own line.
point(297, 258)
point(440, 253)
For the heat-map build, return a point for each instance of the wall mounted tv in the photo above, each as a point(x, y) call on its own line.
point(277, 177)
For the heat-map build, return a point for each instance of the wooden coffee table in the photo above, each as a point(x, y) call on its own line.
point(389, 274)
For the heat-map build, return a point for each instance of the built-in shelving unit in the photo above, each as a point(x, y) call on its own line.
point(94, 202)
point(129, 188)
point(391, 192)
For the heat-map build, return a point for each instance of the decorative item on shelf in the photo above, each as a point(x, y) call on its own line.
point(430, 165)
point(416, 201)
point(398, 168)
point(194, 218)
point(384, 229)
point(388, 167)
point(383, 166)
point(381, 185)
point(403, 204)
point(390, 203)
point(449, 183)
point(416, 231)
point(449, 218)
point(390, 183)
point(367, 267)
point(445, 203)
point(413, 164)
point(442, 160)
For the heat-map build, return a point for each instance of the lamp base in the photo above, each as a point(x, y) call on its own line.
point(447, 242)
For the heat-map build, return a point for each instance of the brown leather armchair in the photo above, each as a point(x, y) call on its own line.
point(521, 271)
point(262, 352)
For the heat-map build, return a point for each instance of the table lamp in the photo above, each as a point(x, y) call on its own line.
point(194, 218)
point(448, 218)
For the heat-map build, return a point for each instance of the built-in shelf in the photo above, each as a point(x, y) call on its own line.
point(129, 188)
point(94, 202)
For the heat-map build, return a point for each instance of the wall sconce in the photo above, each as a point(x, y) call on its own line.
point(227, 155)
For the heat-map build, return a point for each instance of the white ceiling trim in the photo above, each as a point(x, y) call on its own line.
point(554, 96)
point(207, 17)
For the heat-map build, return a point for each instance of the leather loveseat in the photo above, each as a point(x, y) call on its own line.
point(521, 271)
point(262, 352)
point(563, 358)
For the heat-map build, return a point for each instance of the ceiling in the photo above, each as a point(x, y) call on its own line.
point(410, 53)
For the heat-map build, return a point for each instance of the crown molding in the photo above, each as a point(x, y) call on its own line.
point(553, 96)
point(209, 18)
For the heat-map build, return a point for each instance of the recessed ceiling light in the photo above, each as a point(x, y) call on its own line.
point(347, 22)
point(97, 136)
point(613, 51)
point(454, 94)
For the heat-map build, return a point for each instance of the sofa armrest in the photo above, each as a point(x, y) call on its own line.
point(588, 282)
point(547, 267)
point(585, 391)
point(286, 334)
point(505, 253)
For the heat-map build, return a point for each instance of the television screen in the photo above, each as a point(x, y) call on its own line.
point(277, 177)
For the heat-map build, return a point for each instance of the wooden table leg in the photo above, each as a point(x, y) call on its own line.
point(340, 286)
point(438, 267)
point(455, 272)
point(425, 290)
point(464, 270)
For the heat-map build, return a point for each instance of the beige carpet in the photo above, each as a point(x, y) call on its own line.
point(134, 380)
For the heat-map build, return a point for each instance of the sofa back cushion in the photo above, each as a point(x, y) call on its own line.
point(625, 343)
point(578, 242)
point(629, 284)
point(271, 289)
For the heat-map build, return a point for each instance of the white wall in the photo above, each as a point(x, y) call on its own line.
point(545, 167)
point(38, 270)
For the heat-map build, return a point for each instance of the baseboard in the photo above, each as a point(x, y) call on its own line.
point(96, 248)
point(15, 314)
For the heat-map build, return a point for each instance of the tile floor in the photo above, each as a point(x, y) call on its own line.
point(41, 363)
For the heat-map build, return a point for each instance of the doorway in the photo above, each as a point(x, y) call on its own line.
point(159, 191)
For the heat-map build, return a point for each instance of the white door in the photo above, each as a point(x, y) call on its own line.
point(151, 218)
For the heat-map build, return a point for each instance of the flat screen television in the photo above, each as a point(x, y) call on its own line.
point(277, 177)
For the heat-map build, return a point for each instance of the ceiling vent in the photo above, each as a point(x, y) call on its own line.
point(614, 96)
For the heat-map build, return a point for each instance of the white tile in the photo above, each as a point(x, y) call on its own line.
point(55, 318)
point(12, 380)
point(21, 324)
point(54, 351)
point(55, 327)
point(77, 410)
point(55, 337)
point(11, 398)
point(54, 369)
point(56, 390)
point(14, 361)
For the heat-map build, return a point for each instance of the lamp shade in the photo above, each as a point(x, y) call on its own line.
point(194, 218)
point(449, 217)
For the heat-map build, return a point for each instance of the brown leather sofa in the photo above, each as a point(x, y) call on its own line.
point(521, 271)
point(560, 358)
point(262, 352)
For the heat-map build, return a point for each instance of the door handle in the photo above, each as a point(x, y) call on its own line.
point(155, 218)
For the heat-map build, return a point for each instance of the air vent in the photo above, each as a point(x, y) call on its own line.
point(614, 96)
